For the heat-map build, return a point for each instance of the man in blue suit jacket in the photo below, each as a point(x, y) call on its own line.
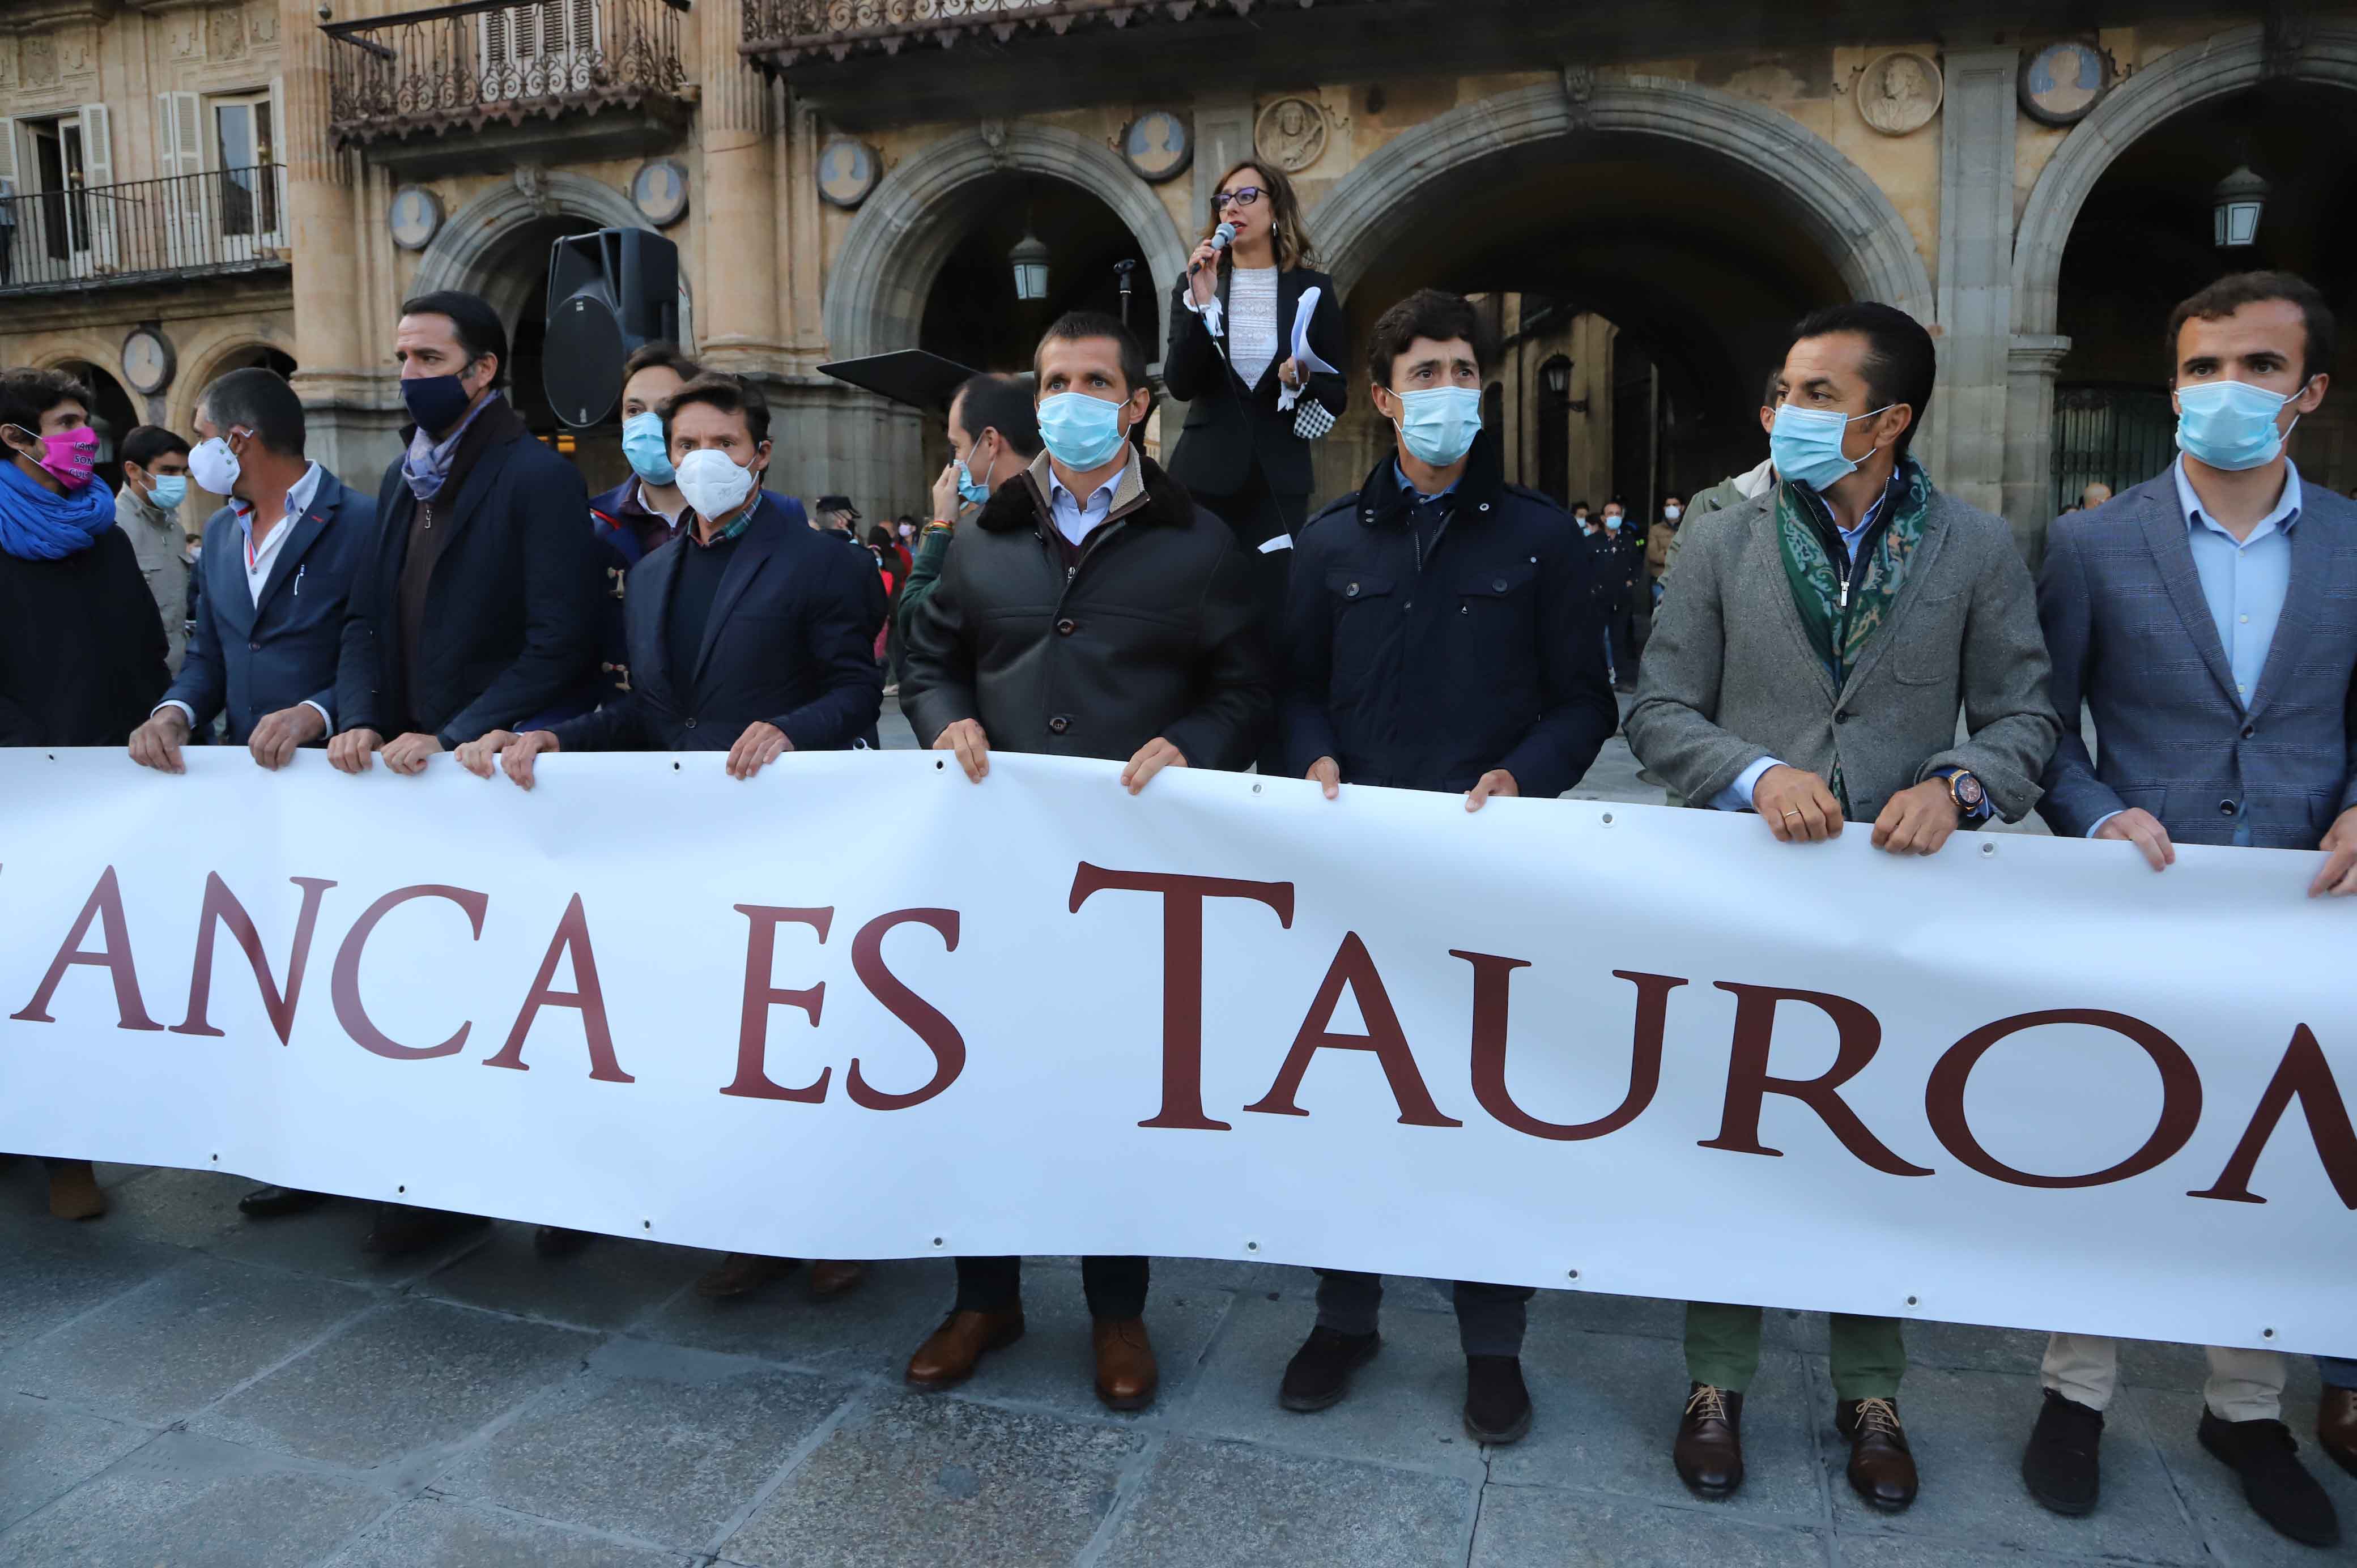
point(749, 633)
point(278, 564)
point(2209, 620)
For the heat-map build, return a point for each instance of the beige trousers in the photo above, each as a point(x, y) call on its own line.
point(2245, 1385)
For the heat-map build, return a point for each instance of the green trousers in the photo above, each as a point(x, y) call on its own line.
point(1869, 1354)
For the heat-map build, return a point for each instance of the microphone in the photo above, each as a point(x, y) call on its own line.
point(1221, 238)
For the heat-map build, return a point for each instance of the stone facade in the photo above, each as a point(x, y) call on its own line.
point(1697, 198)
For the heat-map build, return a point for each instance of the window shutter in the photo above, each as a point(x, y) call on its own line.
point(8, 155)
point(97, 172)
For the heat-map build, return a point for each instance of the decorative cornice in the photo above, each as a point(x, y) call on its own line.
point(39, 15)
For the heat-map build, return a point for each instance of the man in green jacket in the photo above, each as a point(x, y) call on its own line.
point(993, 435)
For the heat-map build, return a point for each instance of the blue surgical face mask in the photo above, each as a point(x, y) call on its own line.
point(1081, 432)
point(2232, 425)
point(170, 490)
point(1806, 443)
point(642, 443)
point(1438, 425)
point(971, 491)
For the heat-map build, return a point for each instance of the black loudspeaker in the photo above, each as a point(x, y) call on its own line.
point(609, 293)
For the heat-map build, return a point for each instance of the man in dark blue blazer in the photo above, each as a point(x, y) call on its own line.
point(748, 632)
point(278, 565)
point(477, 607)
point(2208, 618)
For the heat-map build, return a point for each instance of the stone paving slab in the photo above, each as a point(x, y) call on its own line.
point(431, 1533)
point(1209, 1504)
point(917, 1481)
point(47, 1450)
point(609, 1285)
point(1524, 1525)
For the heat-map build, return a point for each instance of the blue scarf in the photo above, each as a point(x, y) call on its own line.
point(426, 464)
point(36, 524)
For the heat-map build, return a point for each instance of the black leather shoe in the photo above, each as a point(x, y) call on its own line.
point(1710, 1449)
point(1496, 1404)
point(2059, 1466)
point(1319, 1373)
point(2278, 1487)
point(276, 1202)
point(401, 1230)
point(1881, 1465)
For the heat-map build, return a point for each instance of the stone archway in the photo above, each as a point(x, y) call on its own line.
point(2224, 63)
point(471, 249)
point(1842, 208)
point(904, 232)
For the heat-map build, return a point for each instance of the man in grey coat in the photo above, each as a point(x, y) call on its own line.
point(1811, 666)
point(2209, 620)
point(148, 509)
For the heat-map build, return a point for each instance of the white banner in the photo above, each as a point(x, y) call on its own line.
point(860, 1008)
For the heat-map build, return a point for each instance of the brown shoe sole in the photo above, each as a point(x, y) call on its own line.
point(998, 1341)
point(1130, 1402)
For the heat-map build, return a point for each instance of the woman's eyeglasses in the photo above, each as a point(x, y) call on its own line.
point(1242, 197)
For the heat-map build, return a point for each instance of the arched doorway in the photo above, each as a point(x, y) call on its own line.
point(1661, 238)
point(2147, 237)
point(113, 416)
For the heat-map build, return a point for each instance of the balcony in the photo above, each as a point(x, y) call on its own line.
point(149, 230)
point(502, 71)
point(779, 33)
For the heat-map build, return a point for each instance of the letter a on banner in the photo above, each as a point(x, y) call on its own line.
point(572, 936)
point(1354, 967)
point(105, 906)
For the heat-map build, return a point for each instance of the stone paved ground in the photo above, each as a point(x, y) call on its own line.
point(180, 1386)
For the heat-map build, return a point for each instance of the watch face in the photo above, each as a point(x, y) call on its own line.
point(1968, 790)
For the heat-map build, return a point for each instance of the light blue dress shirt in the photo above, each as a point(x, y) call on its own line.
point(1076, 519)
point(2244, 581)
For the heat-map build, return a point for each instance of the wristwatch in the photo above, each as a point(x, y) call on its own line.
point(1966, 792)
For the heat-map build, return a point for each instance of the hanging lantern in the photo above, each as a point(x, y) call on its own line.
point(2236, 205)
point(1029, 260)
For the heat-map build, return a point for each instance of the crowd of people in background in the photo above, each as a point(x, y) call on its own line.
point(1799, 642)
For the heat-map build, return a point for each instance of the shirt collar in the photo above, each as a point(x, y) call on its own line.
point(299, 497)
point(2286, 513)
point(1103, 495)
point(636, 500)
point(733, 529)
point(1420, 497)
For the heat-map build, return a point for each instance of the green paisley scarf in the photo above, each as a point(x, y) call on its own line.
point(1839, 627)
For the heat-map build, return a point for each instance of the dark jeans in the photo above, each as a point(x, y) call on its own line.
point(1489, 1318)
point(1115, 1287)
point(1620, 628)
point(1258, 516)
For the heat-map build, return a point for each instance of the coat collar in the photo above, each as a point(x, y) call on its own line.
point(2167, 535)
point(1383, 501)
point(1022, 501)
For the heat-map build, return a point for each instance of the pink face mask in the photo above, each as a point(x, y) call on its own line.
point(70, 456)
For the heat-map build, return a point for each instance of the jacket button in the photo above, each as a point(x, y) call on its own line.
point(2250, 730)
point(253, 648)
point(691, 723)
point(1066, 627)
point(2226, 808)
point(1059, 724)
point(1841, 717)
point(1500, 586)
point(1351, 592)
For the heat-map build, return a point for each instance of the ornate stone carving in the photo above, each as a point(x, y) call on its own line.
point(40, 57)
point(262, 24)
point(1291, 134)
point(1898, 93)
point(225, 33)
point(993, 137)
point(188, 35)
point(1579, 93)
point(532, 183)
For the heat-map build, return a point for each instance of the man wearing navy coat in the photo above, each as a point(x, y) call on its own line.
point(278, 564)
point(2208, 618)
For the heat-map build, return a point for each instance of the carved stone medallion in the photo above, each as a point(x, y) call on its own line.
point(1899, 93)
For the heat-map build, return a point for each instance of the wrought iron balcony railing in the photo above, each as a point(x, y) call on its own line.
point(469, 64)
point(780, 32)
point(147, 230)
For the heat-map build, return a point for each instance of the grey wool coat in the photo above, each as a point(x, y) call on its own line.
point(1729, 676)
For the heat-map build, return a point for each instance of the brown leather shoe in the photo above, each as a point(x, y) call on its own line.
point(950, 1355)
point(1710, 1449)
point(831, 1279)
point(741, 1273)
point(1881, 1466)
point(1126, 1376)
point(73, 1191)
point(2336, 1427)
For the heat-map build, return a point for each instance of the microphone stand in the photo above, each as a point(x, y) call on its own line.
point(1123, 270)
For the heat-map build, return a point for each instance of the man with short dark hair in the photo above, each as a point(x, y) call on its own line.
point(993, 435)
point(1441, 633)
point(1090, 609)
point(476, 609)
point(646, 509)
point(148, 509)
point(1907, 605)
point(2195, 617)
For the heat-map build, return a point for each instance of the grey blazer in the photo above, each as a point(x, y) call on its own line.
point(1729, 677)
point(2132, 634)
